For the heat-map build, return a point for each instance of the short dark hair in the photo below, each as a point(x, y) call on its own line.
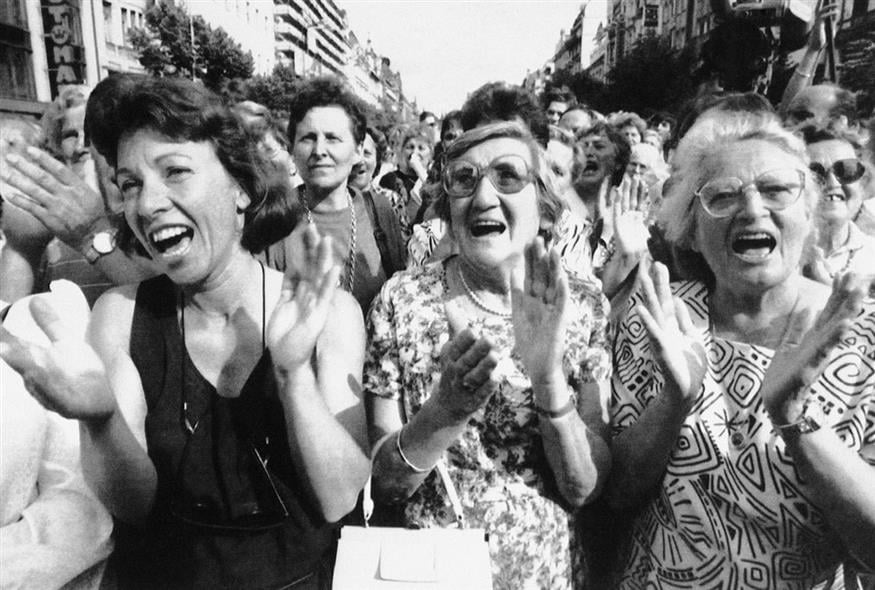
point(624, 150)
point(327, 91)
point(500, 101)
point(425, 115)
point(182, 110)
point(817, 132)
point(381, 144)
point(449, 119)
point(559, 94)
point(259, 121)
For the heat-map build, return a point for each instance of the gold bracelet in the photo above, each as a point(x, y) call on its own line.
point(404, 457)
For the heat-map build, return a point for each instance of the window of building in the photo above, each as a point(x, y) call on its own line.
point(107, 22)
point(16, 65)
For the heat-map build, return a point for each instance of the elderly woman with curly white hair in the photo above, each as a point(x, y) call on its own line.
point(737, 475)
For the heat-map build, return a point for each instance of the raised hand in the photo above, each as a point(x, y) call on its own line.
point(800, 360)
point(55, 195)
point(305, 300)
point(677, 344)
point(467, 363)
point(418, 166)
point(628, 213)
point(67, 376)
point(540, 301)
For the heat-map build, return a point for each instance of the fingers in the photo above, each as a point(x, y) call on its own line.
point(458, 345)
point(17, 353)
point(539, 268)
point(48, 319)
point(481, 373)
point(34, 178)
point(57, 170)
point(456, 319)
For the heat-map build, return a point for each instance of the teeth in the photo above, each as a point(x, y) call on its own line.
point(166, 233)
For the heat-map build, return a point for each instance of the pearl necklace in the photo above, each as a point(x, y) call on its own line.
point(476, 298)
point(847, 265)
point(351, 256)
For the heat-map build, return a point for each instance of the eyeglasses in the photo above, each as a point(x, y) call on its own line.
point(778, 189)
point(508, 174)
point(846, 171)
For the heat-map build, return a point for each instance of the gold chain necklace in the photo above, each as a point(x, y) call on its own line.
point(351, 257)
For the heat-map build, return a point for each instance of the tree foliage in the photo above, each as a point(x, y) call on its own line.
point(165, 47)
point(651, 77)
point(274, 90)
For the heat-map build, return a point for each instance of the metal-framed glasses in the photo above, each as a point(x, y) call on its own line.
point(778, 189)
point(846, 171)
point(509, 174)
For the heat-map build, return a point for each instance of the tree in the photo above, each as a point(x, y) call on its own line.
point(165, 47)
point(273, 91)
point(651, 77)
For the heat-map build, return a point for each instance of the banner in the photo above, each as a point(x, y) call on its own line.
point(65, 50)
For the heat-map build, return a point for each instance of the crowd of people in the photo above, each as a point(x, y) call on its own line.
point(642, 349)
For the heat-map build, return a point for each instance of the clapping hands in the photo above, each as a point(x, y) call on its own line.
point(305, 300)
point(677, 344)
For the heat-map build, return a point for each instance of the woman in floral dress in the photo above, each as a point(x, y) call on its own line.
point(497, 361)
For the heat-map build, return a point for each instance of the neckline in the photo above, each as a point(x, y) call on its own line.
point(190, 424)
point(784, 333)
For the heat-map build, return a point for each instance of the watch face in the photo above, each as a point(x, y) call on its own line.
point(104, 242)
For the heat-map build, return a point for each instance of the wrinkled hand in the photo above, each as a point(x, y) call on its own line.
point(801, 360)
point(55, 195)
point(676, 343)
point(540, 301)
point(467, 363)
point(305, 300)
point(817, 269)
point(66, 377)
point(629, 205)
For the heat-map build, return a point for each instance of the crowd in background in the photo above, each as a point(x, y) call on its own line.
point(638, 349)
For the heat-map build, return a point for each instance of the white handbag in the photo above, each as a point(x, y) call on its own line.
point(376, 558)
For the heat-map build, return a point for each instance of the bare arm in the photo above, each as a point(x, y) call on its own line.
point(803, 75)
point(71, 378)
point(642, 451)
point(114, 454)
point(839, 480)
point(574, 441)
point(316, 339)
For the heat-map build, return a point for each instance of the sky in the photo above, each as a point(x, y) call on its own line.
point(444, 49)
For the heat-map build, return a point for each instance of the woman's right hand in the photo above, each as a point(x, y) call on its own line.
point(679, 347)
point(468, 361)
point(67, 376)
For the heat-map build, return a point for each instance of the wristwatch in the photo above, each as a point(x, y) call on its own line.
point(811, 419)
point(101, 243)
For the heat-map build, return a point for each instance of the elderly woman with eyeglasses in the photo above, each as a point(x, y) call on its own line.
point(497, 361)
point(734, 481)
point(841, 245)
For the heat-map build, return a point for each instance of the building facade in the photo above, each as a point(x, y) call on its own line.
point(311, 36)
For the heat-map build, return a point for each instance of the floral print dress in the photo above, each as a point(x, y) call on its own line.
point(498, 465)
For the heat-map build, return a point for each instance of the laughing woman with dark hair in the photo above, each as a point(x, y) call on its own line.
point(226, 431)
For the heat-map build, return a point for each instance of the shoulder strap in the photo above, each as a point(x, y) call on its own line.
point(379, 234)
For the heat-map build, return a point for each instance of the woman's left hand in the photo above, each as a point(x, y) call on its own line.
point(305, 300)
point(539, 302)
point(798, 363)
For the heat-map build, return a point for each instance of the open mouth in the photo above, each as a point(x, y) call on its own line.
point(837, 197)
point(591, 167)
point(754, 245)
point(171, 240)
point(483, 228)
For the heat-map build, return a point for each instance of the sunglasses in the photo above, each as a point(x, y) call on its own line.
point(508, 174)
point(846, 171)
point(778, 189)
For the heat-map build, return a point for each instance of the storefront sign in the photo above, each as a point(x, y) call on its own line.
point(64, 47)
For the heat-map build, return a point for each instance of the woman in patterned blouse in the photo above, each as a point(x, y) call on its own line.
point(507, 383)
point(737, 475)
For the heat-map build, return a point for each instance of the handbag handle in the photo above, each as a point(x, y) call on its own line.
point(441, 466)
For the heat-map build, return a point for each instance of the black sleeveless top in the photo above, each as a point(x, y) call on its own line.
point(230, 510)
